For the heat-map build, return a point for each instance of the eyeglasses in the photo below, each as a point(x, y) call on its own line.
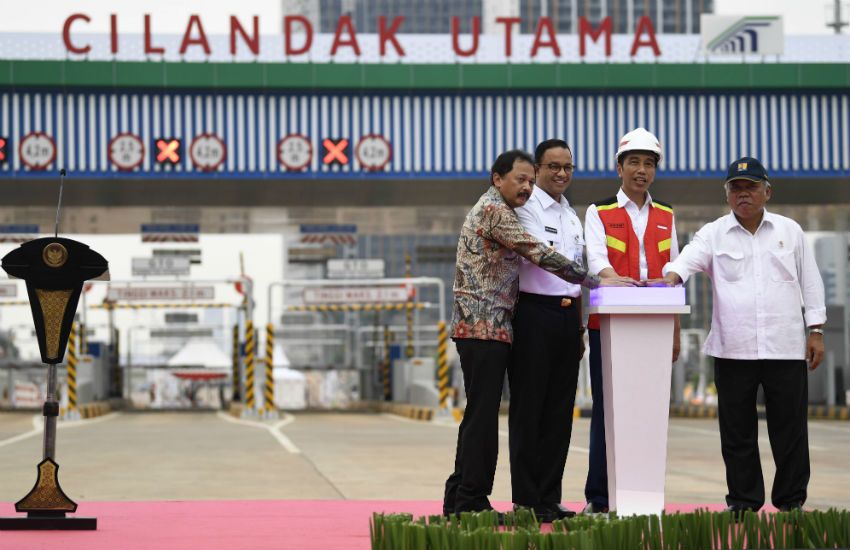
point(556, 168)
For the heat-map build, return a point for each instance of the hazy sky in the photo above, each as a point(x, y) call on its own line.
point(170, 16)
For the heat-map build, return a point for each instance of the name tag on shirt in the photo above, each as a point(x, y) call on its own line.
point(550, 229)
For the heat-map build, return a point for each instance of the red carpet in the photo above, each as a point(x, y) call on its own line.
point(230, 525)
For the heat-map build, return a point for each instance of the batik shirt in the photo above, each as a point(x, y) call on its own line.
point(491, 243)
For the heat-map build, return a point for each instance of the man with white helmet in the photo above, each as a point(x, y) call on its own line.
point(634, 235)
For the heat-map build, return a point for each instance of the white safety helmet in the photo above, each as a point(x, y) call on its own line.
point(639, 139)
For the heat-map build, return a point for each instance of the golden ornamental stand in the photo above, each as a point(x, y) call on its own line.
point(54, 270)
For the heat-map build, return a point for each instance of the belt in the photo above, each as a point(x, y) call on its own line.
point(563, 301)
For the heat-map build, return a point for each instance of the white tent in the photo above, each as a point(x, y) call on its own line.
point(290, 388)
point(200, 353)
point(279, 358)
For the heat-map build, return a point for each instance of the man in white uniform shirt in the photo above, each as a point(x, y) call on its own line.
point(762, 273)
point(547, 343)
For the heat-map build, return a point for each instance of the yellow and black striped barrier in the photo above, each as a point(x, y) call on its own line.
point(72, 369)
point(268, 387)
point(408, 313)
point(388, 390)
point(390, 306)
point(409, 349)
point(829, 412)
point(407, 411)
point(693, 411)
point(83, 343)
point(250, 402)
point(180, 305)
point(442, 363)
point(237, 379)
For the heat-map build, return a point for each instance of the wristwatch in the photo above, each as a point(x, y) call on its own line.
point(816, 331)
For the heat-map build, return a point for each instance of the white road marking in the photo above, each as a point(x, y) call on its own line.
point(77, 423)
point(273, 429)
point(38, 427)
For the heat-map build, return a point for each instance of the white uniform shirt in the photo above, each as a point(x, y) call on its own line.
point(556, 224)
point(597, 246)
point(759, 281)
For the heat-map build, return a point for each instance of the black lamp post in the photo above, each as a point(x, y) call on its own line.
point(54, 270)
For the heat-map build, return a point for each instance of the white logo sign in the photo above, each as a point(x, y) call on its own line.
point(161, 265)
point(124, 294)
point(295, 152)
point(355, 295)
point(735, 35)
point(208, 152)
point(8, 290)
point(37, 150)
point(355, 269)
point(126, 151)
point(373, 152)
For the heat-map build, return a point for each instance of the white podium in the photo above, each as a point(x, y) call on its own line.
point(637, 344)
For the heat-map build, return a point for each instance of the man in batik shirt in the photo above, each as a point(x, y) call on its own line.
point(491, 243)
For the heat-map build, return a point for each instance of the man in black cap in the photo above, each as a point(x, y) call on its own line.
point(763, 273)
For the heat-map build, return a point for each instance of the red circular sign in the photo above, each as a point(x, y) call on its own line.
point(295, 152)
point(373, 152)
point(126, 151)
point(208, 152)
point(37, 151)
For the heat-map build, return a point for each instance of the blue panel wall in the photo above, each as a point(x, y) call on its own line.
point(434, 135)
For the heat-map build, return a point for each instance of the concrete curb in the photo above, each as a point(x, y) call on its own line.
point(816, 412)
point(89, 410)
point(407, 411)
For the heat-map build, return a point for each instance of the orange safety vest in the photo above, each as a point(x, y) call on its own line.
point(623, 245)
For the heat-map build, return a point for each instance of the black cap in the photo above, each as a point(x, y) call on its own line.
point(746, 168)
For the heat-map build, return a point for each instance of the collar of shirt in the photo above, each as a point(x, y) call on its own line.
point(495, 195)
point(732, 221)
point(623, 201)
point(545, 200)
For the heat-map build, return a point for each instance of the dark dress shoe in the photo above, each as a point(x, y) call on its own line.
point(547, 513)
point(792, 507)
point(560, 511)
point(500, 517)
point(738, 510)
point(593, 508)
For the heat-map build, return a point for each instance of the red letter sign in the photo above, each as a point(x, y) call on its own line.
point(113, 33)
point(509, 23)
point(645, 26)
point(201, 40)
point(253, 42)
point(287, 33)
point(385, 35)
point(149, 47)
point(585, 28)
point(551, 42)
point(476, 30)
point(345, 23)
point(66, 33)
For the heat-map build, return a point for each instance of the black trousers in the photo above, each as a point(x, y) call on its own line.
point(596, 486)
point(785, 384)
point(483, 363)
point(543, 375)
